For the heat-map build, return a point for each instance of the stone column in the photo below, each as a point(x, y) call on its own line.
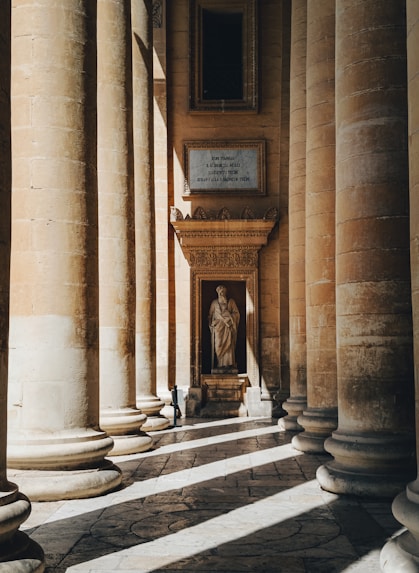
point(119, 415)
point(161, 197)
point(373, 445)
point(320, 418)
point(145, 353)
point(17, 552)
point(297, 400)
point(402, 552)
point(54, 356)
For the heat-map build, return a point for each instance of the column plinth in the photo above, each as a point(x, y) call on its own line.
point(21, 555)
point(14, 510)
point(124, 426)
point(401, 553)
point(66, 448)
point(318, 424)
point(67, 483)
point(83, 471)
point(294, 406)
point(367, 464)
point(151, 406)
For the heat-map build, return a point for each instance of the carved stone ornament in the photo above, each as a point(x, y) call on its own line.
point(175, 214)
point(157, 13)
point(200, 213)
point(223, 258)
point(223, 242)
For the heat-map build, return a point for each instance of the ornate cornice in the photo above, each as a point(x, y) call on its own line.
point(221, 243)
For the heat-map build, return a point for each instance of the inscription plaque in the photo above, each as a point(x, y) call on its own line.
point(224, 167)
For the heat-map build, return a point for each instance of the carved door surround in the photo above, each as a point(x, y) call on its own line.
point(223, 250)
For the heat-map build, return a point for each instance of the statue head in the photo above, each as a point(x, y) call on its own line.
point(221, 289)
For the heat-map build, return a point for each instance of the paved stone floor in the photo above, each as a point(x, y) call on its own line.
point(228, 495)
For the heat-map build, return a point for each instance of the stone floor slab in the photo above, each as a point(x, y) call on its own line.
point(215, 496)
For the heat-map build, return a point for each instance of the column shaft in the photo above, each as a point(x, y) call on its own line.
point(142, 57)
point(320, 418)
point(119, 415)
point(373, 444)
point(17, 551)
point(297, 400)
point(54, 358)
point(402, 553)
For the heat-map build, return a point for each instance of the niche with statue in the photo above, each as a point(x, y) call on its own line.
point(223, 259)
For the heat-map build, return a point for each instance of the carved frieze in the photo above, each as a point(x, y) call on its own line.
point(223, 258)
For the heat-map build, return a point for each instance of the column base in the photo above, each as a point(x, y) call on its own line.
point(18, 553)
point(67, 449)
point(394, 559)
point(155, 423)
point(295, 407)
point(131, 444)
point(318, 424)
point(21, 555)
point(401, 553)
point(125, 428)
point(50, 485)
point(15, 508)
point(151, 406)
point(367, 465)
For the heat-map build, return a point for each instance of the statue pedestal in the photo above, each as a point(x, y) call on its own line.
point(224, 395)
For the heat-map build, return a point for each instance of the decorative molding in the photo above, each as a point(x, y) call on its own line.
point(223, 258)
point(175, 214)
point(157, 13)
point(271, 214)
point(221, 243)
point(247, 213)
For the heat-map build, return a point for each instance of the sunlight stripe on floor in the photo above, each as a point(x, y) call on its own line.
point(208, 424)
point(176, 480)
point(201, 442)
point(226, 528)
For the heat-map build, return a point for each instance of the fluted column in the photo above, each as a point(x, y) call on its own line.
point(119, 415)
point(297, 400)
point(320, 417)
point(17, 551)
point(54, 356)
point(145, 354)
point(373, 445)
point(401, 554)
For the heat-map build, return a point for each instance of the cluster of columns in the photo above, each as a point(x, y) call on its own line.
point(350, 113)
point(77, 348)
